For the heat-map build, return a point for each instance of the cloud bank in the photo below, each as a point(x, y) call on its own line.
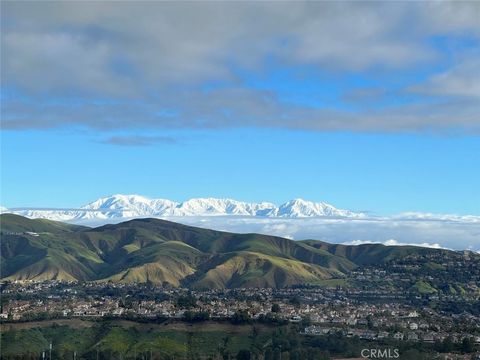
point(451, 232)
point(393, 242)
point(181, 65)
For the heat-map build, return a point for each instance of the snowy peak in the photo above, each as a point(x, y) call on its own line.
point(206, 206)
point(118, 201)
point(131, 206)
point(212, 206)
point(302, 208)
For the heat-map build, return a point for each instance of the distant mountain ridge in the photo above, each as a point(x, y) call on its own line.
point(164, 252)
point(134, 206)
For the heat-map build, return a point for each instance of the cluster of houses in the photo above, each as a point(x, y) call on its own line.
point(327, 311)
point(407, 335)
point(442, 272)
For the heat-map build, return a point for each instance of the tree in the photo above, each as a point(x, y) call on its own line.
point(295, 301)
point(447, 344)
point(275, 308)
point(268, 354)
point(187, 301)
point(468, 345)
point(196, 316)
point(244, 355)
point(240, 317)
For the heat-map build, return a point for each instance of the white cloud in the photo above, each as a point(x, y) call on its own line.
point(393, 242)
point(431, 232)
point(134, 52)
point(189, 41)
point(463, 80)
point(419, 216)
point(246, 108)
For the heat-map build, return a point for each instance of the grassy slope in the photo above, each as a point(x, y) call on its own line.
point(368, 253)
point(17, 223)
point(250, 269)
point(116, 341)
point(167, 262)
point(55, 253)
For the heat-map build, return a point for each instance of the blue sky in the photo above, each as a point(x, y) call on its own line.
point(367, 106)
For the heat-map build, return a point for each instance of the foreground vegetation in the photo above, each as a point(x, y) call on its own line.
point(128, 340)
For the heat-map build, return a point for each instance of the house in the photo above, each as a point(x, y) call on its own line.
point(423, 326)
point(428, 337)
point(413, 314)
point(362, 322)
point(351, 321)
point(369, 335)
point(295, 319)
point(411, 336)
point(382, 335)
point(118, 312)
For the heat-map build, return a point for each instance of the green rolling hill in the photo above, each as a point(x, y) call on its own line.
point(163, 252)
point(368, 254)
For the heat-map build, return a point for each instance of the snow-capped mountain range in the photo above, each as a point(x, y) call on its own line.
point(132, 206)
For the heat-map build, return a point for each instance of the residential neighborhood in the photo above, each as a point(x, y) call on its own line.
point(322, 310)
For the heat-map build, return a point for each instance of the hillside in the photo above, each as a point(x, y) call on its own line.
point(163, 252)
point(367, 254)
point(17, 223)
